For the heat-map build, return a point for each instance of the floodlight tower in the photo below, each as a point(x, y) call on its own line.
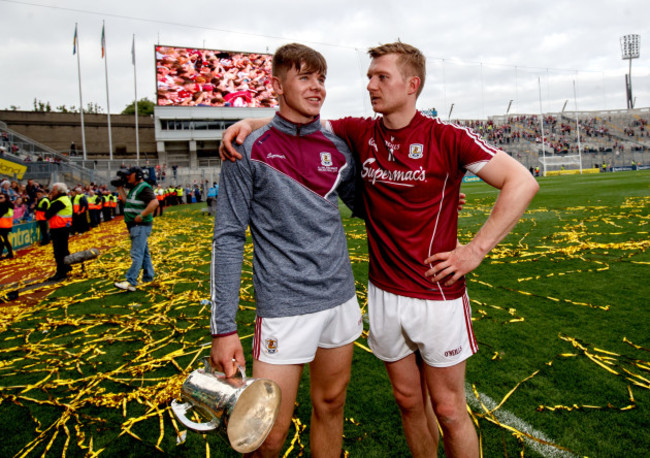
point(629, 50)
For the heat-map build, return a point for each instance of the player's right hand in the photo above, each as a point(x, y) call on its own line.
point(226, 354)
point(237, 132)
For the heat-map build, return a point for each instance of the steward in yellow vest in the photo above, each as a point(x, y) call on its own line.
point(6, 223)
point(59, 216)
point(42, 205)
point(80, 212)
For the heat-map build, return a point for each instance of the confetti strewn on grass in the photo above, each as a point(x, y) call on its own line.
point(92, 366)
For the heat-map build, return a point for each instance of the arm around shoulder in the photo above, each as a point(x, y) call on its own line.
point(238, 132)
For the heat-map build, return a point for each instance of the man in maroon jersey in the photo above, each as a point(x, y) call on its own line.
point(412, 169)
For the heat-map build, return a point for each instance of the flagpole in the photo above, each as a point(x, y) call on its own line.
point(135, 86)
point(541, 122)
point(108, 103)
point(575, 98)
point(81, 103)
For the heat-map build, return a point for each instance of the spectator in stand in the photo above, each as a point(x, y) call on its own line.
point(30, 189)
point(6, 223)
point(15, 187)
point(19, 210)
point(7, 190)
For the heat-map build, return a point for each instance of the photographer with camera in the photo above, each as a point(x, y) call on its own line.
point(140, 203)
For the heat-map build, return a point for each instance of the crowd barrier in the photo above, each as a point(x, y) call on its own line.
point(625, 168)
point(571, 172)
point(24, 235)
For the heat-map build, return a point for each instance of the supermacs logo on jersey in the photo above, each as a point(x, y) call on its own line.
point(416, 151)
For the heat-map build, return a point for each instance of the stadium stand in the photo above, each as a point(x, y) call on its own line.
point(616, 138)
point(39, 161)
point(613, 137)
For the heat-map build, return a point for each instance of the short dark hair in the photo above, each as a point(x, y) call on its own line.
point(295, 55)
point(411, 59)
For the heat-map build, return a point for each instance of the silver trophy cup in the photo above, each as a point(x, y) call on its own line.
point(247, 407)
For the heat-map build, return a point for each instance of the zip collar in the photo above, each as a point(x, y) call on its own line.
point(292, 128)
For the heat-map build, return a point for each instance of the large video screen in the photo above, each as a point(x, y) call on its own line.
point(213, 78)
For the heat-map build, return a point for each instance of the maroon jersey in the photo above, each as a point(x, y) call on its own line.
point(412, 179)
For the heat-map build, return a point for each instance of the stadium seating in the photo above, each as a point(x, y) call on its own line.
point(619, 138)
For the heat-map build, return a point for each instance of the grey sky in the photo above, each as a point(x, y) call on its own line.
point(480, 54)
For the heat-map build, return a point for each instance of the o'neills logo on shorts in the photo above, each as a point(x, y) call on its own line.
point(454, 352)
point(271, 345)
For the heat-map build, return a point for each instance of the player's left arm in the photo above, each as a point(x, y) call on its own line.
point(517, 188)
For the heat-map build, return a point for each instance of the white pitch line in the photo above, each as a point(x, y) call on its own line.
point(512, 420)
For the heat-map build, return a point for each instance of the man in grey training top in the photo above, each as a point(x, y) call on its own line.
point(286, 189)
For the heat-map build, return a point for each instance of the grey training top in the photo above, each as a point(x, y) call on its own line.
point(286, 189)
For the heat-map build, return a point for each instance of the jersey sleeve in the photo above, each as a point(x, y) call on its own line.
point(346, 189)
point(473, 152)
point(337, 127)
point(350, 191)
point(231, 221)
point(348, 129)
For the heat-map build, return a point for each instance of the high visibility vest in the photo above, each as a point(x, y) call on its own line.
point(7, 220)
point(179, 192)
point(160, 194)
point(76, 207)
point(64, 217)
point(134, 206)
point(41, 208)
point(93, 203)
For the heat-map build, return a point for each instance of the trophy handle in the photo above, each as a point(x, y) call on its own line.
point(181, 409)
point(207, 367)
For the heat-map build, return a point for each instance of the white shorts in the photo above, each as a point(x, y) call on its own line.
point(295, 339)
point(440, 330)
